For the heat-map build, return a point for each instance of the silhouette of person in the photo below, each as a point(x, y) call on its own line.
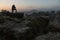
point(14, 8)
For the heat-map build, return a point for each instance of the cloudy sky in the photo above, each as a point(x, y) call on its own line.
point(29, 4)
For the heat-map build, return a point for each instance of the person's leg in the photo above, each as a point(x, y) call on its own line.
point(16, 11)
point(12, 11)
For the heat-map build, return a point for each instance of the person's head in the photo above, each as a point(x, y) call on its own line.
point(13, 5)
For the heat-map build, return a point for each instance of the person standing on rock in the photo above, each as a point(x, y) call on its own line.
point(14, 8)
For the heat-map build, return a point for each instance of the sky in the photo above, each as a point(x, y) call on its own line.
point(29, 4)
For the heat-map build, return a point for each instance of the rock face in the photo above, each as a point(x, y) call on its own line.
point(49, 36)
point(16, 28)
point(17, 15)
point(22, 29)
point(39, 22)
point(11, 25)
